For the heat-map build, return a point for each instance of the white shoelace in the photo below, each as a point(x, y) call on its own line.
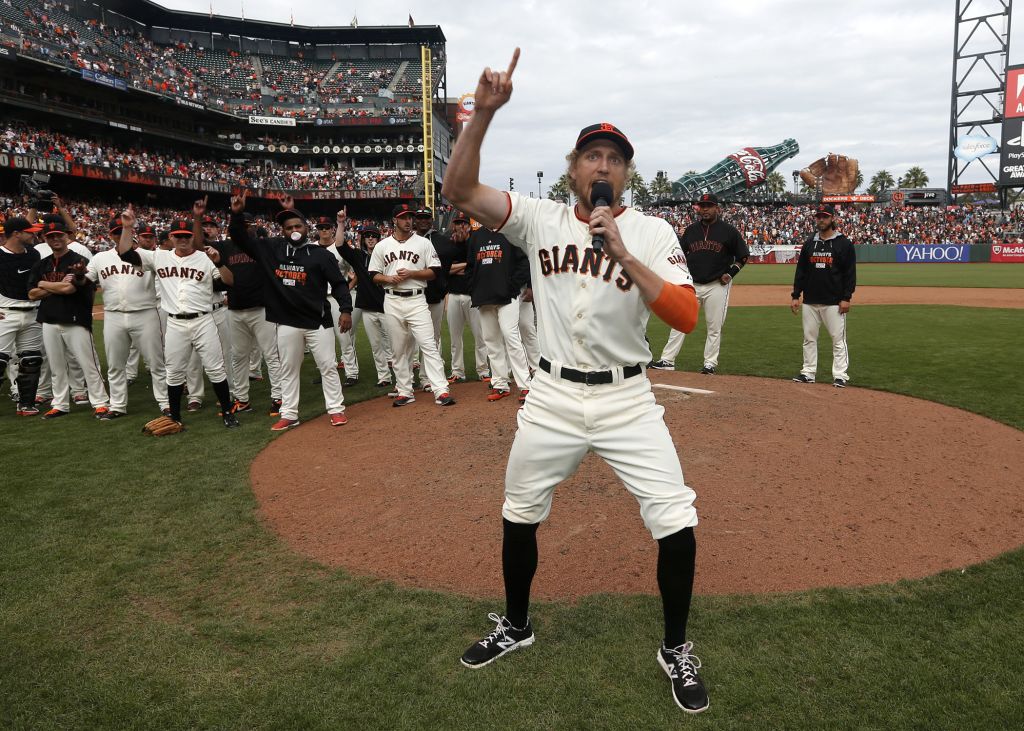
point(501, 631)
point(684, 664)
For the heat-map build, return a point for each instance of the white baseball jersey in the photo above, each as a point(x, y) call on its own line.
point(590, 314)
point(185, 283)
point(126, 287)
point(80, 249)
point(390, 255)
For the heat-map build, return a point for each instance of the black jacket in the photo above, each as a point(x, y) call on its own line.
point(711, 250)
point(826, 271)
point(497, 269)
point(437, 287)
point(369, 295)
point(249, 285)
point(298, 276)
point(64, 309)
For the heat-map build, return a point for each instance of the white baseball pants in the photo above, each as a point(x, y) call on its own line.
point(714, 301)
point(813, 316)
point(461, 311)
point(528, 334)
point(250, 330)
point(377, 334)
point(346, 341)
point(61, 341)
point(499, 325)
point(622, 423)
point(291, 346)
point(409, 325)
point(122, 331)
point(198, 334)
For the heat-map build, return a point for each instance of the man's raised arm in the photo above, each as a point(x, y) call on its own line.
point(462, 184)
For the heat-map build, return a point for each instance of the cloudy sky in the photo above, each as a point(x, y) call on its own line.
point(688, 83)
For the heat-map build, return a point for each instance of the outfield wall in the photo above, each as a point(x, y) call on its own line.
point(905, 254)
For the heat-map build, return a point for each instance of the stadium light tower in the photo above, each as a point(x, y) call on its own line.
point(981, 51)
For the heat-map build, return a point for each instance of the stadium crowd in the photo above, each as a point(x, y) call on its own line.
point(223, 80)
point(789, 225)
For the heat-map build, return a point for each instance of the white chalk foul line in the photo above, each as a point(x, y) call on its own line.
point(684, 389)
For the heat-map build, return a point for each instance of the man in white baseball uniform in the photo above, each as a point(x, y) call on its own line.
point(369, 302)
point(437, 288)
point(21, 334)
point(402, 263)
point(598, 272)
point(330, 236)
point(460, 309)
point(65, 309)
point(298, 273)
point(185, 278)
point(715, 253)
point(129, 319)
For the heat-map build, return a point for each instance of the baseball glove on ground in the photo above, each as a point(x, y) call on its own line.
point(162, 426)
point(838, 174)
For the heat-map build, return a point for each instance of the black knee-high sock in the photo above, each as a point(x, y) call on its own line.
point(223, 395)
point(518, 564)
point(677, 555)
point(174, 394)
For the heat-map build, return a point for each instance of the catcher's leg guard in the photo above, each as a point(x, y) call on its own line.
point(4, 360)
point(30, 363)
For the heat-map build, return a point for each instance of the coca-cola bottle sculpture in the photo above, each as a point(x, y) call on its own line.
point(744, 169)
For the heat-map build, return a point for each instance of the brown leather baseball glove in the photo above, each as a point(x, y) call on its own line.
point(838, 174)
point(162, 426)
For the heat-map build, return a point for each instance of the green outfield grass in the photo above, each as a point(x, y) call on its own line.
point(903, 275)
point(140, 590)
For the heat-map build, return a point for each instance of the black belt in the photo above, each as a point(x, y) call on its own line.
point(591, 378)
point(20, 309)
point(187, 315)
point(405, 292)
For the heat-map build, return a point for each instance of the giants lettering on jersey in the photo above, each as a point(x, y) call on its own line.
point(291, 274)
point(409, 256)
point(556, 261)
point(239, 258)
point(124, 268)
point(706, 245)
point(180, 272)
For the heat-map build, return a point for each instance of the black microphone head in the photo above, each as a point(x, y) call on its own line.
point(601, 193)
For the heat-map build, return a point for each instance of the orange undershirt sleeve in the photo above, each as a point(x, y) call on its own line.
point(677, 306)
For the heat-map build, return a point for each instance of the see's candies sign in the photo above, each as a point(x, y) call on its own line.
point(1008, 253)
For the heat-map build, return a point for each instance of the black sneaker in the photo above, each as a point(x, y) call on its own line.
point(350, 381)
point(502, 640)
point(839, 383)
point(708, 370)
point(403, 401)
point(231, 421)
point(275, 407)
point(663, 365)
point(681, 667)
point(801, 378)
point(384, 384)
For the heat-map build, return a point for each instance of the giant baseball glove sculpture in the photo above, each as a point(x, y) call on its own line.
point(837, 173)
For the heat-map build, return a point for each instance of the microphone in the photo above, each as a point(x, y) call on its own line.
point(600, 195)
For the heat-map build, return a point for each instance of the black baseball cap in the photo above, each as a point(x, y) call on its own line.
point(163, 236)
point(460, 217)
point(424, 213)
point(147, 230)
point(369, 231)
point(605, 131)
point(708, 198)
point(402, 209)
point(325, 222)
point(826, 208)
point(16, 224)
point(210, 221)
point(114, 227)
point(288, 214)
point(54, 227)
point(180, 226)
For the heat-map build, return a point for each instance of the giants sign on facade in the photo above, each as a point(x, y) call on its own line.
point(1011, 152)
point(752, 166)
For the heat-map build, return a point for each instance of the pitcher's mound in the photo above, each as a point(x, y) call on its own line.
point(798, 486)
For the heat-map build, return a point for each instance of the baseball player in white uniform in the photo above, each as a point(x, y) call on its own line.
point(185, 278)
point(598, 271)
point(330, 236)
point(402, 263)
point(129, 318)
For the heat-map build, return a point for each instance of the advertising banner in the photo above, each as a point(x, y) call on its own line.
point(972, 147)
point(848, 199)
point(1011, 152)
point(769, 254)
point(1008, 253)
point(272, 121)
point(102, 79)
point(467, 102)
point(751, 165)
point(973, 188)
point(928, 254)
point(330, 195)
point(121, 175)
point(188, 103)
point(7, 54)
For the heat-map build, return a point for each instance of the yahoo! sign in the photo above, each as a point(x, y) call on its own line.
point(906, 254)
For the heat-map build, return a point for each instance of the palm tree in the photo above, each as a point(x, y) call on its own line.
point(915, 177)
point(775, 183)
point(661, 186)
point(559, 191)
point(860, 179)
point(636, 187)
point(880, 182)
